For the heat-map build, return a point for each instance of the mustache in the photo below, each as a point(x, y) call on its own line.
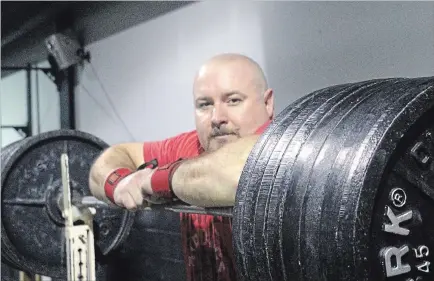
point(221, 132)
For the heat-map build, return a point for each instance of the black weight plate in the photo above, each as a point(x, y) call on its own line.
point(32, 228)
point(153, 250)
point(343, 206)
point(9, 273)
point(251, 177)
point(326, 207)
point(307, 216)
point(271, 190)
point(259, 257)
point(6, 249)
point(270, 158)
point(408, 191)
point(305, 203)
point(314, 246)
point(242, 211)
point(412, 124)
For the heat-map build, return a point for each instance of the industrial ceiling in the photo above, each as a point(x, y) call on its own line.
point(26, 24)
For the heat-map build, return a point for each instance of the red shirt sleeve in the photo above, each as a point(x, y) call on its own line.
point(185, 145)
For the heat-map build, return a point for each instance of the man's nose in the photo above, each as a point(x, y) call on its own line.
point(219, 116)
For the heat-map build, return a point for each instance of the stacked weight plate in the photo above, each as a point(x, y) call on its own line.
point(316, 198)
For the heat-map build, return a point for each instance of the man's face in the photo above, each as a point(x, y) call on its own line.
point(229, 104)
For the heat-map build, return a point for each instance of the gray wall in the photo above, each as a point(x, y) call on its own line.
point(148, 70)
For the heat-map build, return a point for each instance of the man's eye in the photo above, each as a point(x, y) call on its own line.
point(234, 101)
point(203, 104)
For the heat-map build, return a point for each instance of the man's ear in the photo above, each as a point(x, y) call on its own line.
point(269, 102)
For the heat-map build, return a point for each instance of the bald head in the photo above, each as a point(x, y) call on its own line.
point(236, 62)
point(231, 98)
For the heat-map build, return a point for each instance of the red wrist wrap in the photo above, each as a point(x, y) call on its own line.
point(112, 181)
point(161, 181)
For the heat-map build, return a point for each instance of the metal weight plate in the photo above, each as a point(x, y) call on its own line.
point(264, 168)
point(325, 206)
point(32, 225)
point(317, 176)
point(408, 147)
point(251, 177)
point(6, 249)
point(9, 273)
point(318, 116)
point(314, 192)
point(403, 226)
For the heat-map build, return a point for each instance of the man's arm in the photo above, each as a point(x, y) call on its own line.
point(211, 179)
point(126, 155)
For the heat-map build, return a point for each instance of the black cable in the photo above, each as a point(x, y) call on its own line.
point(96, 101)
point(110, 102)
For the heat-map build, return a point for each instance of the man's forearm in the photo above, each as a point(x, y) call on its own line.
point(112, 158)
point(211, 180)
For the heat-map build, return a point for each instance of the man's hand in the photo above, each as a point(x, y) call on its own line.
point(131, 191)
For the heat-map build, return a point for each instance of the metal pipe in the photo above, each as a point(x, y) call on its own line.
point(91, 201)
point(66, 89)
point(29, 100)
point(25, 68)
point(38, 108)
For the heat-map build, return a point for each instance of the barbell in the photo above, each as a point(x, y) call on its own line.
point(340, 186)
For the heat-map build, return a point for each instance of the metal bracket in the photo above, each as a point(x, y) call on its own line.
point(21, 130)
point(80, 249)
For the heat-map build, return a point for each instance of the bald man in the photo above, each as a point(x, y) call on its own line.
point(233, 106)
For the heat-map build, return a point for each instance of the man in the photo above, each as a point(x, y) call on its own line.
point(233, 105)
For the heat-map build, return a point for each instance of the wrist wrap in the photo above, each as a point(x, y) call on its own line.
point(112, 181)
point(161, 181)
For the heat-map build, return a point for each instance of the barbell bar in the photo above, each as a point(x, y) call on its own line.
point(90, 201)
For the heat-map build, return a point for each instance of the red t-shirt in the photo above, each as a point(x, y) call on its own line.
point(206, 240)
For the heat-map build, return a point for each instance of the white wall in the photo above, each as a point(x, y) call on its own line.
point(148, 70)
